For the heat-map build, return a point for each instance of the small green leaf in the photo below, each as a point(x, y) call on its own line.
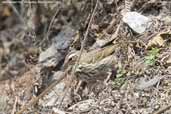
point(150, 59)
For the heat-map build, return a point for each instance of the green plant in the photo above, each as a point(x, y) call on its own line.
point(151, 57)
point(120, 73)
point(120, 78)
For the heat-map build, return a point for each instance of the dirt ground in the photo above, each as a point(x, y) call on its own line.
point(85, 57)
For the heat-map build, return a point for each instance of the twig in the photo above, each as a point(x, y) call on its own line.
point(163, 109)
point(14, 106)
point(46, 38)
point(16, 12)
point(114, 36)
point(85, 39)
point(51, 22)
point(81, 50)
point(34, 100)
point(19, 16)
point(116, 32)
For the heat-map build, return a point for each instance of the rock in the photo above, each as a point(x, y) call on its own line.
point(56, 97)
point(147, 84)
point(83, 106)
point(137, 22)
point(64, 39)
point(50, 57)
point(57, 111)
point(58, 50)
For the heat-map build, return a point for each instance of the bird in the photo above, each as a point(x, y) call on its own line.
point(95, 66)
point(100, 71)
point(90, 57)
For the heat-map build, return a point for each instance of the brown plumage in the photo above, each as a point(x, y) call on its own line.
point(96, 65)
point(91, 73)
point(100, 71)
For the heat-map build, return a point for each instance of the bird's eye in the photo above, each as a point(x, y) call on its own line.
point(80, 67)
point(70, 59)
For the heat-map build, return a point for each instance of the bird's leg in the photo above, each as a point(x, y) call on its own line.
point(78, 86)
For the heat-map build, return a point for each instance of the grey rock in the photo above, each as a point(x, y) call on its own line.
point(63, 40)
point(137, 22)
point(50, 57)
point(58, 50)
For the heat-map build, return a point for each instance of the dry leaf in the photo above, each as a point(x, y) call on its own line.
point(158, 40)
point(169, 61)
point(7, 12)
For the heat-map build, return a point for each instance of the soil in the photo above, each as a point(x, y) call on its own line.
point(79, 57)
